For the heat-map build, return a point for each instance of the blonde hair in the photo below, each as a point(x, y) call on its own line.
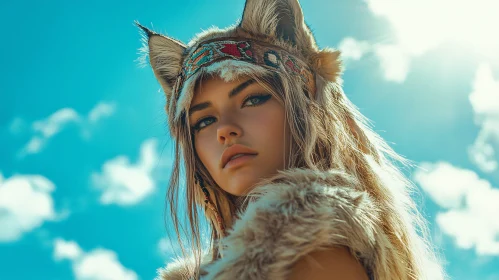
point(328, 132)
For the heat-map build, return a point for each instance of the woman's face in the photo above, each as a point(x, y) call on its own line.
point(244, 114)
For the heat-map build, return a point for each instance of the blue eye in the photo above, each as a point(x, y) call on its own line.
point(202, 123)
point(257, 99)
point(250, 101)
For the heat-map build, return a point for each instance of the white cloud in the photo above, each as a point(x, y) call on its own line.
point(125, 183)
point(352, 49)
point(394, 59)
point(485, 102)
point(469, 205)
point(98, 264)
point(421, 26)
point(44, 130)
point(66, 250)
point(102, 264)
point(485, 95)
point(25, 204)
point(395, 62)
point(102, 110)
point(446, 184)
point(413, 34)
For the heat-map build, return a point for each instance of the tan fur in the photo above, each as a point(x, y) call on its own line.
point(327, 64)
point(299, 212)
point(264, 17)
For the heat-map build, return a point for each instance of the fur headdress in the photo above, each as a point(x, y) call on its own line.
point(271, 37)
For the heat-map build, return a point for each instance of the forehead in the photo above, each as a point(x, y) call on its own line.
point(214, 86)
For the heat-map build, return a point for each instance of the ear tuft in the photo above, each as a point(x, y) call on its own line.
point(146, 30)
point(327, 64)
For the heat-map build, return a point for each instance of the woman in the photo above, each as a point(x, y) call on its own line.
point(293, 183)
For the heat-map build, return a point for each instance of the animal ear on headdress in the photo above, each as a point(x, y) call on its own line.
point(281, 19)
point(165, 56)
point(284, 20)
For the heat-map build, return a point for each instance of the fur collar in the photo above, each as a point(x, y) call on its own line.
point(300, 212)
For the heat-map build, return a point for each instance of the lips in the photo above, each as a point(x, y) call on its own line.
point(234, 150)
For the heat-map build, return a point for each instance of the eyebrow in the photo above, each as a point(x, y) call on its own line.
point(232, 93)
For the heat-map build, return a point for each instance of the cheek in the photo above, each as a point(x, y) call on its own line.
point(207, 151)
point(266, 129)
point(270, 125)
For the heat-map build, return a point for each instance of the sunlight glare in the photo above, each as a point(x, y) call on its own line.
point(425, 24)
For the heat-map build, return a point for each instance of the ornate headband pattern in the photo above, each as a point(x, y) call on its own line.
point(259, 53)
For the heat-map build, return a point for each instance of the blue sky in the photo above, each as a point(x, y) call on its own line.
point(85, 153)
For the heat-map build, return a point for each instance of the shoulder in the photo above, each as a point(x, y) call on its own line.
point(298, 213)
point(330, 264)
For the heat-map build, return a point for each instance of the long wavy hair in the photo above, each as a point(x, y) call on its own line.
point(327, 132)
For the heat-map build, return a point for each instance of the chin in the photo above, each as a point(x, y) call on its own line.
point(239, 184)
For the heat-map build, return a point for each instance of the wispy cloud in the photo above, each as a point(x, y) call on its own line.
point(125, 183)
point(469, 205)
point(100, 111)
point(485, 102)
point(45, 129)
point(17, 125)
point(25, 204)
point(98, 264)
point(55, 122)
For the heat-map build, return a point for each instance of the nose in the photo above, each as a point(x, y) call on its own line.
point(227, 132)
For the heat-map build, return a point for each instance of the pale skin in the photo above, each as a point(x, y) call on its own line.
point(252, 117)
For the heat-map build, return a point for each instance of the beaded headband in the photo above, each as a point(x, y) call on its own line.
point(247, 50)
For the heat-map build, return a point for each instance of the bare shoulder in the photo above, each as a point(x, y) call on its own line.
point(330, 264)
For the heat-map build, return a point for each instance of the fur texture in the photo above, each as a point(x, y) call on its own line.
point(299, 212)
